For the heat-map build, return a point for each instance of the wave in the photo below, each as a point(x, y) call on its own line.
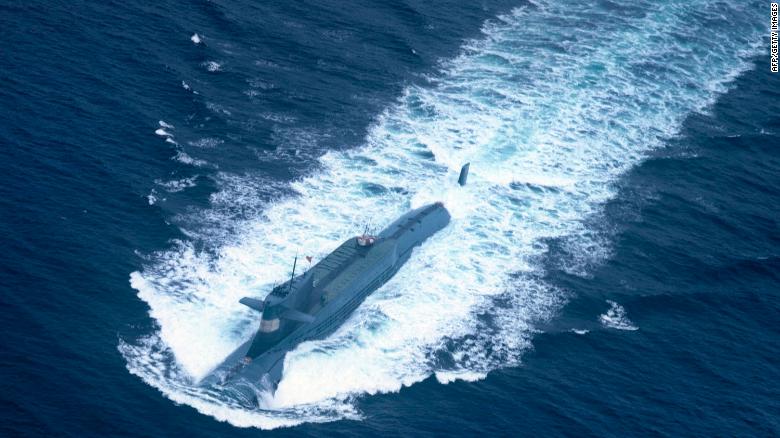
point(617, 318)
point(550, 113)
point(178, 185)
point(212, 66)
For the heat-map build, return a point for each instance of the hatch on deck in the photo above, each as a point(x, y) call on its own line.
point(366, 240)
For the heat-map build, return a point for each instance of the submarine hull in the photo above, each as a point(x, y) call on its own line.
point(314, 304)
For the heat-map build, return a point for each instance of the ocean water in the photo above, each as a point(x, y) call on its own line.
point(612, 267)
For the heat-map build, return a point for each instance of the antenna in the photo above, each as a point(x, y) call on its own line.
point(295, 262)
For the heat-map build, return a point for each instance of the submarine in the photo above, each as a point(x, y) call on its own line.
point(314, 304)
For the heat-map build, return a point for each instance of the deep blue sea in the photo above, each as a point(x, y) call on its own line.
point(612, 268)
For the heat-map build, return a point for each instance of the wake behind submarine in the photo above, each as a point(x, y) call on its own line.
point(314, 304)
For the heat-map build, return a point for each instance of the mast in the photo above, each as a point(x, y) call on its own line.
point(295, 262)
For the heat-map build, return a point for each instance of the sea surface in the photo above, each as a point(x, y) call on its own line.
point(612, 267)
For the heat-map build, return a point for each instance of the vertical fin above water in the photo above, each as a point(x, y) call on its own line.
point(464, 174)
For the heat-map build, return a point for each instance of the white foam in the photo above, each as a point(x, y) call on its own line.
point(178, 185)
point(185, 158)
point(549, 114)
point(187, 87)
point(217, 108)
point(206, 143)
point(212, 66)
point(616, 318)
point(195, 38)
